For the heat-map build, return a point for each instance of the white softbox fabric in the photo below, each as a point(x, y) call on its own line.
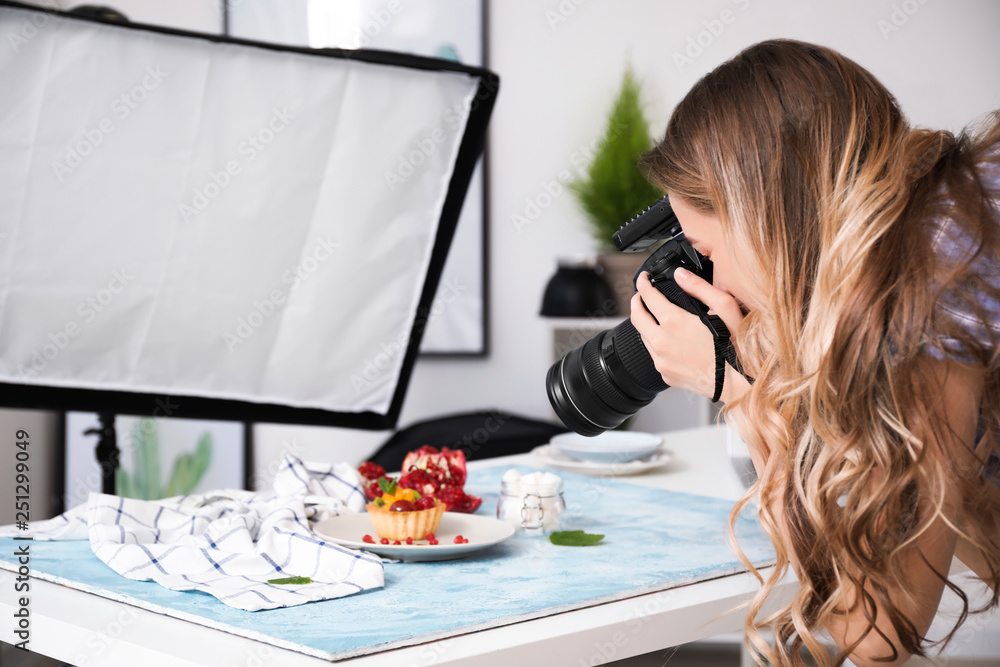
point(199, 217)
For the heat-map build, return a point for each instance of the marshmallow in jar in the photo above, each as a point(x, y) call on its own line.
point(532, 502)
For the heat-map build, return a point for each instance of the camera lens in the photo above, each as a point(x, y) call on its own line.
point(597, 386)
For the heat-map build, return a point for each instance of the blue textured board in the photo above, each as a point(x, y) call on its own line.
point(655, 540)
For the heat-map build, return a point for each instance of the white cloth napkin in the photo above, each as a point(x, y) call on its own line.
point(229, 542)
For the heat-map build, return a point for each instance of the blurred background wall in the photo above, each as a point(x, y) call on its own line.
point(561, 63)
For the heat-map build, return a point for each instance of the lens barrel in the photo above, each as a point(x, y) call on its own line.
point(597, 386)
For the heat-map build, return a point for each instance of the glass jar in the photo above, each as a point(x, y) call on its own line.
point(534, 509)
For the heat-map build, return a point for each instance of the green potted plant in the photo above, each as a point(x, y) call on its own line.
point(144, 481)
point(613, 189)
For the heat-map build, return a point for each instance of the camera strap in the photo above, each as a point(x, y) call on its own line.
point(720, 365)
point(724, 352)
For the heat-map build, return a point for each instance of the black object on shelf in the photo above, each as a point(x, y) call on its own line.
point(578, 289)
point(479, 435)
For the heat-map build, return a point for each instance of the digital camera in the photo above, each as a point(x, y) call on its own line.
point(597, 386)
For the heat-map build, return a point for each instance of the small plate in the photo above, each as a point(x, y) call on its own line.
point(556, 459)
point(481, 531)
point(608, 447)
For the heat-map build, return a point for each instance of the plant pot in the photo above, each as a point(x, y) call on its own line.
point(619, 270)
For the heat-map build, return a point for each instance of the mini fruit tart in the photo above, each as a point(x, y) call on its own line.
point(400, 513)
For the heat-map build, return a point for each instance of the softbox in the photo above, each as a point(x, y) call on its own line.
point(255, 232)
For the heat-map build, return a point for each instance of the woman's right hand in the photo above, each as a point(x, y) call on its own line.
point(680, 344)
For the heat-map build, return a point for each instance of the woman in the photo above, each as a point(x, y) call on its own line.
point(856, 261)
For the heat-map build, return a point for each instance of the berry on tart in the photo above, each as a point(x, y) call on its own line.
point(403, 514)
point(429, 472)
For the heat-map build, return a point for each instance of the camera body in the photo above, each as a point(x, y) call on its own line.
point(609, 378)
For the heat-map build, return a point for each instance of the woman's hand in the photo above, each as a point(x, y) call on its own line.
point(681, 345)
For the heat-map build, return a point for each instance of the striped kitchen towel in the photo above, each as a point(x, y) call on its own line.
point(229, 543)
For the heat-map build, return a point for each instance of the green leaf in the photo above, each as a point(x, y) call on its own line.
point(291, 581)
point(574, 538)
point(387, 485)
point(123, 484)
point(190, 468)
point(614, 189)
point(146, 455)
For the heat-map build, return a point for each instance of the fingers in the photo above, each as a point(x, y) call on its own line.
point(721, 303)
point(679, 344)
point(656, 303)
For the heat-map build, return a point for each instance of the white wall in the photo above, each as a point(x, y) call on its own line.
point(560, 62)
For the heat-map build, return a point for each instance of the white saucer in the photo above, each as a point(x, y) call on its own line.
point(349, 530)
point(553, 457)
point(608, 447)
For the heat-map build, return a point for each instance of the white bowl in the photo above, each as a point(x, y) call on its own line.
point(608, 447)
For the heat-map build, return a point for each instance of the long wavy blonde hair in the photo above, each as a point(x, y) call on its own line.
point(829, 199)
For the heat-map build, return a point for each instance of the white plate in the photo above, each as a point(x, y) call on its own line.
point(349, 530)
point(556, 459)
point(608, 447)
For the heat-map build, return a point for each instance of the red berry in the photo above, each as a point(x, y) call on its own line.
point(370, 470)
point(368, 539)
point(430, 536)
point(457, 500)
point(384, 541)
point(419, 480)
point(396, 543)
point(402, 506)
point(432, 541)
point(409, 540)
point(458, 539)
point(372, 490)
point(424, 503)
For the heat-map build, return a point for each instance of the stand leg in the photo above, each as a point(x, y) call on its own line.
point(107, 451)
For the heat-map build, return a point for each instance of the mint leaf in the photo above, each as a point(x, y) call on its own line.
point(574, 538)
point(291, 580)
point(387, 485)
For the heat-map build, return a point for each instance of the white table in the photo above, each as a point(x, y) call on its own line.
point(67, 623)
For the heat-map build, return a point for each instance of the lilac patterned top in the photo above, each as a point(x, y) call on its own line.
point(952, 244)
